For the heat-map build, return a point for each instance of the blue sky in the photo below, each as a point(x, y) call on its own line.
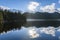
point(23, 4)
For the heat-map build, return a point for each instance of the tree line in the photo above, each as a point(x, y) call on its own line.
point(10, 20)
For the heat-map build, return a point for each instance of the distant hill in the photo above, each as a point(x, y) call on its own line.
point(43, 19)
point(43, 15)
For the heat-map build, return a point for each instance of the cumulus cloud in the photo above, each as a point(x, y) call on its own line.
point(48, 8)
point(4, 7)
point(58, 10)
point(33, 33)
point(58, 30)
point(32, 6)
point(50, 30)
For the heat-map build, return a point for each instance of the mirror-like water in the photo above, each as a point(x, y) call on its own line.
point(32, 33)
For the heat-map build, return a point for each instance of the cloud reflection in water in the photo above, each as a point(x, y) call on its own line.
point(48, 30)
point(33, 33)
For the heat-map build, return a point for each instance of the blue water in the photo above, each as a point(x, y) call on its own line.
point(32, 33)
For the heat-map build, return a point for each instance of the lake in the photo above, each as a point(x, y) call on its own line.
point(32, 33)
point(33, 29)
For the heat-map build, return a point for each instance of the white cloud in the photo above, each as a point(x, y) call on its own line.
point(58, 30)
point(49, 30)
point(32, 6)
point(4, 7)
point(48, 8)
point(58, 10)
point(33, 33)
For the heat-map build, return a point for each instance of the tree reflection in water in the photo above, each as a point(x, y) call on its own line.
point(34, 33)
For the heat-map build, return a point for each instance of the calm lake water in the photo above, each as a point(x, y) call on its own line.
point(34, 29)
point(32, 33)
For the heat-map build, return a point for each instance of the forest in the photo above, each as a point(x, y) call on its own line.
point(10, 20)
